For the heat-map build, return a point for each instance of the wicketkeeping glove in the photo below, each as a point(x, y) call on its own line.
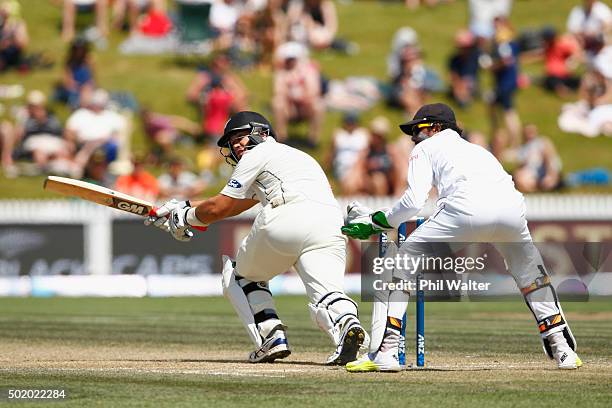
point(362, 222)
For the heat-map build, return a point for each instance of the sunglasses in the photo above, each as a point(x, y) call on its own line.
point(416, 129)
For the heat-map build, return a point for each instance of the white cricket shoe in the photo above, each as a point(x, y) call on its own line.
point(380, 361)
point(353, 338)
point(274, 347)
point(566, 358)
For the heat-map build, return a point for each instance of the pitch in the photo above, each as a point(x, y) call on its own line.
point(191, 351)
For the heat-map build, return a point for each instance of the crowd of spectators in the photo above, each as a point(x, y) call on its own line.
point(590, 24)
point(279, 37)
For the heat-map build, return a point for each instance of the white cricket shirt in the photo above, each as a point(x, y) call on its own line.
point(270, 170)
point(461, 172)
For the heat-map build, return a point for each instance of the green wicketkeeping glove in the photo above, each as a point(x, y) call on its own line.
point(362, 222)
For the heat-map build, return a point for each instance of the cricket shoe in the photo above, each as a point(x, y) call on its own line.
point(380, 361)
point(567, 359)
point(274, 347)
point(353, 338)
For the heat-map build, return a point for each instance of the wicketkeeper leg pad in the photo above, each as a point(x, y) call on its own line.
point(252, 301)
point(331, 312)
point(387, 312)
point(543, 302)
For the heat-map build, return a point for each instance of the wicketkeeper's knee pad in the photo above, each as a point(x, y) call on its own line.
point(543, 302)
point(331, 312)
point(252, 301)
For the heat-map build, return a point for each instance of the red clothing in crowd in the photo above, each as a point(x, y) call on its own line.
point(557, 54)
point(140, 184)
point(216, 111)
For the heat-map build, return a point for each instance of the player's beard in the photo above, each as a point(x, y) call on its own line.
point(419, 138)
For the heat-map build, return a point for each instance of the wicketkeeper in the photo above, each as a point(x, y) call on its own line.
point(477, 203)
point(298, 226)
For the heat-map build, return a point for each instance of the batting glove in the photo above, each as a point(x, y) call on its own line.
point(179, 227)
point(162, 219)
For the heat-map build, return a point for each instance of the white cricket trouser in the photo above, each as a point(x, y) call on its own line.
point(500, 221)
point(303, 234)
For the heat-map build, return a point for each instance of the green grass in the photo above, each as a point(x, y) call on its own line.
point(160, 82)
point(188, 352)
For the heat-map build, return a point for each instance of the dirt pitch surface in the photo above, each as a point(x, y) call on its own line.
point(117, 360)
point(143, 352)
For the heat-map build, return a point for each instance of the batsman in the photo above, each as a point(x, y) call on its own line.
point(297, 227)
point(477, 203)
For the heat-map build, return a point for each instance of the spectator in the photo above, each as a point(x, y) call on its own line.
point(220, 71)
point(539, 165)
point(37, 136)
point(244, 49)
point(155, 22)
point(96, 170)
point(165, 130)
point(297, 92)
point(483, 14)
point(377, 164)
point(64, 163)
point(139, 182)
point(224, 15)
point(349, 144)
point(13, 35)
point(179, 183)
point(589, 21)
point(463, 67)
point(217, 109)
point(133, 9)
point(293, 28)
point(592, 115)
point(71, 7)
point(270, 27)
point(317, 26)
point(403, 37)
point(96, 122)
point(559, 53)
point(78, 79)
point(320, 21)
point(411, 87)
point(505, 70)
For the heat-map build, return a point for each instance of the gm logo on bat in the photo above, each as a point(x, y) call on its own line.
point(131, 207)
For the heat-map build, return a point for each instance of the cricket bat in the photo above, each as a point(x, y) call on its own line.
point(101, 195)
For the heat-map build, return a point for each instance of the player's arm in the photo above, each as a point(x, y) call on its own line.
point(178, 217)
point(217, 208)
point(420, 180)
point(362, 222)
